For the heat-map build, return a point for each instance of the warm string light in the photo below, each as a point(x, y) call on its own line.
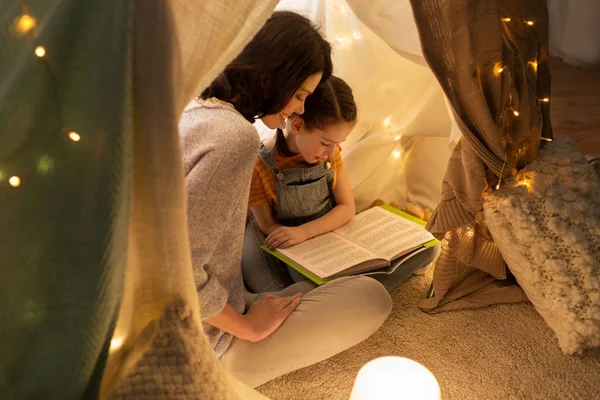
point(74, 136)
point(396, 154)
point(343, 41)
point(44, 165)
point(534, 65)
point(115, 344)
point(397, 138)
point(14, 181)
point(469, 232)
point(387, 122)
point(25, 23)
point(340, 8)
point(40, 51)
point(525, 182)
point(498, 69)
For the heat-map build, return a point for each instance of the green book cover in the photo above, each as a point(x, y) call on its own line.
point(320, 281)
point(295, 265)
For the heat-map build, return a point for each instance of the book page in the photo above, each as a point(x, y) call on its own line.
point(327, 254)
point(384, 233)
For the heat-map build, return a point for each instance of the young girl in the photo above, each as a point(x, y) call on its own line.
point(299, 189)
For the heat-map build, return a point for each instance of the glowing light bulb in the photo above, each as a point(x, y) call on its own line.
point(498, 186)
point(25, 23)
point(505, 19)
point(498, 69)
point(389, 378)
point(74, 136)
point(14, 181)
point(357, 35)
point(45, 165)
point(545, 100)
point(339, 7)
point(534, 65)
point(516, 113)
point(397, 138)
point(530, 23)
point(343, 41)
point(469, 232)
point(396, 154)
point(546, 139)
point(387, 122)
point(524, 181)
point(116, 343)
point(40, 51)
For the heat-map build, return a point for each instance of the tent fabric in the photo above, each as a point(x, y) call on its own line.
point(491, 61)
point(97, 228)
point(64, 227)
point(179, 46)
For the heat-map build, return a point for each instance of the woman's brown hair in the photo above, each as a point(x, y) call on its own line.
point(266, 74)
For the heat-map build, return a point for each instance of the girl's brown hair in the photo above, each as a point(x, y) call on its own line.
point(331, 103)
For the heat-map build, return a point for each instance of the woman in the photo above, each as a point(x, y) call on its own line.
point(270, 79)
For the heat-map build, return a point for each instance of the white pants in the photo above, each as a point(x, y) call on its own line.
point(330, 319)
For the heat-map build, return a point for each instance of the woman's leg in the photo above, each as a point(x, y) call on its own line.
point(416, 262)
point(261, 271)
point(330, 319)
point(296, 276)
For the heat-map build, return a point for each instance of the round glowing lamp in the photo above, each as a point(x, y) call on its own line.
point(397, 378)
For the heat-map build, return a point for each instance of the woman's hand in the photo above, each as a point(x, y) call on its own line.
point(266, 315)
point(286, 236)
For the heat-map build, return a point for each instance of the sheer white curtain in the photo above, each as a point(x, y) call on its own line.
point(575, 31)
point(399, 148)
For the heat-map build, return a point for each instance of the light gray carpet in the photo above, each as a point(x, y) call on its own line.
point(500, 352)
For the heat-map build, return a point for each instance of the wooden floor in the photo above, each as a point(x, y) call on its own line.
point(576, 105)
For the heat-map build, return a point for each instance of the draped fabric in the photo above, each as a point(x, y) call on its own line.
point(94, 249)
point(491, 60)
point(63, 228)
point(179, 48)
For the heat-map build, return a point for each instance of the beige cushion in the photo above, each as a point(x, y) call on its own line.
point(546, 223)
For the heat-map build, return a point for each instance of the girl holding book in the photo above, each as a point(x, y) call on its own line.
point(270, 79)
point(299, 189)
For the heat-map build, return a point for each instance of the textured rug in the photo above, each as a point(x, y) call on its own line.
point(500, 352)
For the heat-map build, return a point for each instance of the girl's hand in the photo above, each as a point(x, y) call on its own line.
point(267, 314)
point(286, 236)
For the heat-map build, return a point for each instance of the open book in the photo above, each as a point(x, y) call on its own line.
point(378, 240)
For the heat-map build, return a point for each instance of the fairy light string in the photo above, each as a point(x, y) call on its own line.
point(25, 25)
point(499, 69)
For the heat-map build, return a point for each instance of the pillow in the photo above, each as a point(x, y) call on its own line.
point(546, 223)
